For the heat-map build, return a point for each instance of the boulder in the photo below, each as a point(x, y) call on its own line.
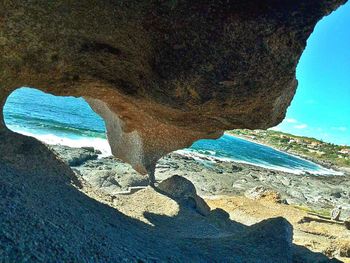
point(277, 231)
point(339, 248)
point(74, 156)
point(347, 223)
point(184, 192)
point(344, 248)
point(236, 168)
point(261, 192)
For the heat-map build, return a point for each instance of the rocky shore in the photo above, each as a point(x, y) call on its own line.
point(328, 155)
point(48, 212)
point(212, 178)
point(224, 197)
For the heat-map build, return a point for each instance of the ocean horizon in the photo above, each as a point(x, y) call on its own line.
point(70, 121)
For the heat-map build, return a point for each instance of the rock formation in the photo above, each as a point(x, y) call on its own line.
point(184, 192)
point(43, 218)
point(162, 73)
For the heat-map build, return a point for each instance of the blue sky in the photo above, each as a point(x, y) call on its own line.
point(321, 106)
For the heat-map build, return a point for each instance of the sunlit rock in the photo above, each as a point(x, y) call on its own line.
point(162, 74)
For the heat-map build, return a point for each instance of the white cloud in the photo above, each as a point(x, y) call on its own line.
point(276, 128)
point(300, 126)
point(291, 120)
point(342, 129)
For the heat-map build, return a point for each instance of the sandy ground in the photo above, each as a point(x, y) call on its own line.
point(314, 232)
point(305, 201)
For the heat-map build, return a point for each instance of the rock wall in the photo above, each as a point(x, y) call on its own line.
point(165, 73)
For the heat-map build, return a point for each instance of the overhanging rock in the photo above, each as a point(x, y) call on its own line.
point(162, 73)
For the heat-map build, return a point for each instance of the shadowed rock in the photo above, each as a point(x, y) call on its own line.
point(182, 190)
point(44, 218)
point(162, 74)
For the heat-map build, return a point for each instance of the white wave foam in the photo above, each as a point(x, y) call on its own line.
point(52, 139)
point(203, 157)
point(103, 145)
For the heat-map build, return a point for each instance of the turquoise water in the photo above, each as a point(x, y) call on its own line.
point(70, 121)
point(35, 111)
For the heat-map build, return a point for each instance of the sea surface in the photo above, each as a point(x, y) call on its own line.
point(70, 121)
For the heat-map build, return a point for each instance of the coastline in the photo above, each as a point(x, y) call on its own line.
point(324, 164)
point(102, 145)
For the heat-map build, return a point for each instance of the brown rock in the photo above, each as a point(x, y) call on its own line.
point(162, 74)
point(347, 223)
point(262, 193)
point(340, 248)
point(344, 248)
point(183, 191)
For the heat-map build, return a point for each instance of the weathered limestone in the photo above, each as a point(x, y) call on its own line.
point(144, 146)
point(162, 74)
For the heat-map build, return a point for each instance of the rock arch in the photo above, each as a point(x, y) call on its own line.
point(162, 74)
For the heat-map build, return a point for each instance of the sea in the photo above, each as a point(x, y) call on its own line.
point(70, 121)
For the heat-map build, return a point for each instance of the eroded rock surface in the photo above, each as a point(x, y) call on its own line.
point(44, 218)
point(214, 178)
point(166, 72)
point(184, 192)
